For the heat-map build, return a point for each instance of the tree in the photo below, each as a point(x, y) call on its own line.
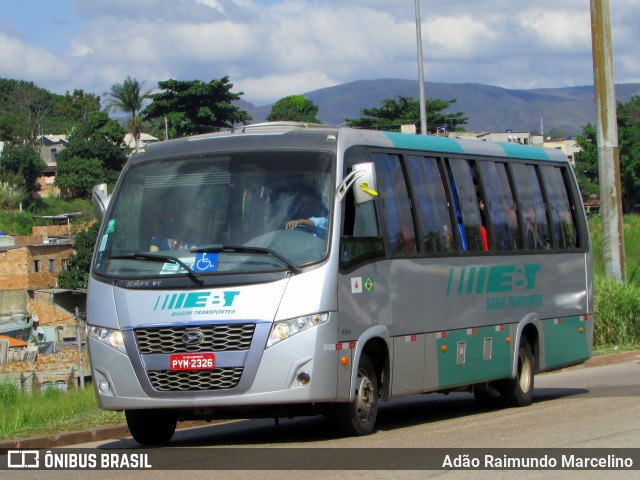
point(76, 176)
point(27, 111)
point(294, 108)
point(73, 109)
point(192, 107)
point(587, 166)
point(128, 97)
point(94, 155)
point(406, 110)
point(23, 110)
point(10, 195)
point(629, 153)
point(21, 166)
point(629, 113)
point(77, 274)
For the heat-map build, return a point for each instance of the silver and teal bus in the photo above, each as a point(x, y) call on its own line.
point(280, 269)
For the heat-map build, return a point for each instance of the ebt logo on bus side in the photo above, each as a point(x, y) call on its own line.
point(197, 303)
point(496, 279)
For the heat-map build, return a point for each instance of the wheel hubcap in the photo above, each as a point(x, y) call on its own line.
point(365, 397)
point(525, 372)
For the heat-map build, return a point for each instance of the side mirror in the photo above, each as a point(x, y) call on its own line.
point(100, 199)
point(363, 181)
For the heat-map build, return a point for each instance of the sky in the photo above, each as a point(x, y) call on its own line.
point(270, 49)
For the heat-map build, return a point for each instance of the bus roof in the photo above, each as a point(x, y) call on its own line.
point(293, 135)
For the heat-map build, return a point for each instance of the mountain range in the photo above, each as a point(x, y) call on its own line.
point(488, 108)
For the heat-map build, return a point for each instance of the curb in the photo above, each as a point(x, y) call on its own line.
point(610, 359)
point(97, 434)
point(67, 438)
point(119, 431)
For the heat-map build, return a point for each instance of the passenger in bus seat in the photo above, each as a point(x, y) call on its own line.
point(484, 238)
point(406, 242)
point(178, 234)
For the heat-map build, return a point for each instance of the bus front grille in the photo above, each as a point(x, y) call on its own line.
point(194, 380)
point(212, 338)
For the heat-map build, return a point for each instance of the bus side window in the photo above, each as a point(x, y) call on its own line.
point(563, 226)
point(360, 239)
point(466, 200)
point(501, 206)
point(536, 227)
point(396, 207)
point(432, 205)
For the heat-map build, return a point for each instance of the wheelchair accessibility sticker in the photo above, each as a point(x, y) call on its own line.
point(206, 262)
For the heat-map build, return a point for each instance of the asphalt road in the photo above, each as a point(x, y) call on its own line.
point(579, 408)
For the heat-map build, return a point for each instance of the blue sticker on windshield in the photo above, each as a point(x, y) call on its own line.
point(206, 262)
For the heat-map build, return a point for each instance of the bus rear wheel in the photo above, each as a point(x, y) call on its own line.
point(358, 418)
point(151, 427)
point(518, 391)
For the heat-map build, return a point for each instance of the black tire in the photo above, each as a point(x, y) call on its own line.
point(358, 418)
point(151, 427)
point(518, 391)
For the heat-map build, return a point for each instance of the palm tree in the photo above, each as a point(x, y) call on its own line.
point(128, 97)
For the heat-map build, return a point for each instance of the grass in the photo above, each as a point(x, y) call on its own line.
point(617, 305)
point(51, 412)
point(631, 233)
point(617, 312)
point(20, 223)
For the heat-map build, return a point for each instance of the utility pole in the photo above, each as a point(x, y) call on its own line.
point(423, 106)
point(607, 140)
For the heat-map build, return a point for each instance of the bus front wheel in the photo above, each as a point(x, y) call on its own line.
point(151, 427)
point(518, 391)
point(359, 417)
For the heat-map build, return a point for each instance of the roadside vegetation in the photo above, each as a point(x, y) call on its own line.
point(15, 222)
point(617, 305)
point(51, 412)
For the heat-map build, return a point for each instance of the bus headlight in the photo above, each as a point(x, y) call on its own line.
point(113, 338)
point(287, 328)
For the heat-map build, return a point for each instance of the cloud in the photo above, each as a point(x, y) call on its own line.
point(271, 49)
point(273, 86)
point(23, 62)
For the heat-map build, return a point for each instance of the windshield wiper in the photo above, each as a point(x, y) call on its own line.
point(218, 248)
point(159, 257)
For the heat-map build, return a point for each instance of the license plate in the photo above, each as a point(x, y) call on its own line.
point(192, 361)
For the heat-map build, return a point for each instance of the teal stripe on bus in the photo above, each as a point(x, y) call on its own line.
point(516, 150)
point(424, 142)
point(451, 145)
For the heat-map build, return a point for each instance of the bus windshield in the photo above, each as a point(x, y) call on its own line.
point(237, 212)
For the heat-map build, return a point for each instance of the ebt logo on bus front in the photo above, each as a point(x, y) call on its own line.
point(173, 301)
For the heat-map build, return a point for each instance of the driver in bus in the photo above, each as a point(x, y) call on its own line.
point(304, 213)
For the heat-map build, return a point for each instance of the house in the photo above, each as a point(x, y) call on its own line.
point(508, 136)
point(51, 146)
point(34, 310)
point(567, 145)
point(12, 349)
point(29, 263)
point(145, 139)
